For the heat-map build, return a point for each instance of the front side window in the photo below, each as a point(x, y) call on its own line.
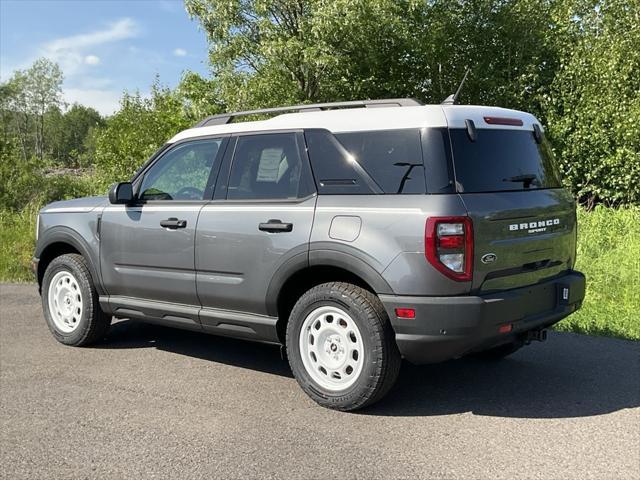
point(182, 173)
point(268, 166)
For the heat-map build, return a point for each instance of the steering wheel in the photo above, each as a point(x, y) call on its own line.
point(188, 193)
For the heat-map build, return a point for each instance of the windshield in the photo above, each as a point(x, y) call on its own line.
point(502, 160)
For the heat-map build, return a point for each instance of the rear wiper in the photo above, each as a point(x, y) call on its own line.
point(406, 176)
point(527, 180)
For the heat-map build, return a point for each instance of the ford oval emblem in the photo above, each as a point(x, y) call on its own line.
point(489, 258)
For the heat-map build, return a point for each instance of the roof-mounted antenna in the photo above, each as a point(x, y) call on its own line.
point(453, 99)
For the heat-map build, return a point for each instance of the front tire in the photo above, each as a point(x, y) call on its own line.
point(70, 302)
point(341, 347)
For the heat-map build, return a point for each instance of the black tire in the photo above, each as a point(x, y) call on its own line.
point(93, 323)
point(496, 354)
point(381, 359)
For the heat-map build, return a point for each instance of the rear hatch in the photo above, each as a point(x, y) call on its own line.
point(524, 223)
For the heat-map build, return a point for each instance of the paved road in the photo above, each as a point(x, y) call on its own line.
point(162, 403)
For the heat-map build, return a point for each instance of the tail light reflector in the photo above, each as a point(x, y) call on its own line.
point(405, 313)
point(449, 246)
point(505, 328)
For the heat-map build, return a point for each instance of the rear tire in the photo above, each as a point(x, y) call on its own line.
point(341, 346)
point(70, 302)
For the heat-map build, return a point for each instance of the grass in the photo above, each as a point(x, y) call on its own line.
point(608, 254)
point(17, 241)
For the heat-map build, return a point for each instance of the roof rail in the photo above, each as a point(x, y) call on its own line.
point(225, 118)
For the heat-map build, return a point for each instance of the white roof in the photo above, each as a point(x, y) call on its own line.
point(380, 118)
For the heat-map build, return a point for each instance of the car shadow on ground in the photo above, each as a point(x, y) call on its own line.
point(568, 376)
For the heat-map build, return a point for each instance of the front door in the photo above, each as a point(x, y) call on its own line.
point(147, 249)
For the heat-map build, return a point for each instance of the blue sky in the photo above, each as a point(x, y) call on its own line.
point(103, 46)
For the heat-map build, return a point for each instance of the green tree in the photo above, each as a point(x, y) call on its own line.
point(29, 94)
point(199, 96)
point(593, 106)
point(138, 129)
point(506, 44)
point(273, 52)
point(44, 91)
point(68, 133)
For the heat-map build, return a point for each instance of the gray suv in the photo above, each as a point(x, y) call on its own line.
point(355, 234)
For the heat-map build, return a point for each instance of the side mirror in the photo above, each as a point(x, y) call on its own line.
point(121, 193)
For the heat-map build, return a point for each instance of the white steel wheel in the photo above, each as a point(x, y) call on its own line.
point(331, 348)
point(65, 301)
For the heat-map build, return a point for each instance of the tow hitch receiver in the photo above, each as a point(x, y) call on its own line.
point(536, 336)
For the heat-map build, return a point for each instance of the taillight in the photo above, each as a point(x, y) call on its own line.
point(449, 246)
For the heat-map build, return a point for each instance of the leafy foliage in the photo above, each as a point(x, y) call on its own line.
point(25, 99)
point(25, 186)
point(137, 130)
point(70, 134)
point(574, 63)
point(267, 53)
point(594, 101)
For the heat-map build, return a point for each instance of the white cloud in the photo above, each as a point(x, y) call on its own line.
point(104, 101)
point(120, 30)
point(69, 52)
point(92, 60)
point(180, 52)
point(78, 57)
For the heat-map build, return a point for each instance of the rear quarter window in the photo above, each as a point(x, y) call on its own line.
point(393, 158)
point(502, 160)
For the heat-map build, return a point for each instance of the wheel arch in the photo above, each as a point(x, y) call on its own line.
point(302, 273)
point(59, 241)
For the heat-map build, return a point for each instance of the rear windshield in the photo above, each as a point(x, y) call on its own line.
point(500, 160)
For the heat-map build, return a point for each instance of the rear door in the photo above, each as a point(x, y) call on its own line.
point(261, 218)
point(524, 222)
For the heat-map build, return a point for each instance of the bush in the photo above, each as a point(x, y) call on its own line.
point(20, 181)
point(23, 184)
point(16, 244)
point(593, 106)
point(135, 132)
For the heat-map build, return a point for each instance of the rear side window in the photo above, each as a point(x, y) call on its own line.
point(268, 167)
point(393, 158)
point(502, 160)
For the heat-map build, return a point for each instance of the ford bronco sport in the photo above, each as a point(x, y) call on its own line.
point(355, 234)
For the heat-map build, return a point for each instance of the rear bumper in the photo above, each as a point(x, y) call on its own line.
point(449, 327)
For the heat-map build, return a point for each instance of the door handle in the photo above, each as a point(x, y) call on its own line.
point(173, 223)
point(275, 225)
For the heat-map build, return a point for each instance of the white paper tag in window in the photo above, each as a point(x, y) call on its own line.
point(269, 166)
